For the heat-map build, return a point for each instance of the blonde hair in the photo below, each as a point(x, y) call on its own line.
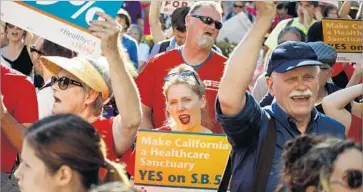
point(193, 82)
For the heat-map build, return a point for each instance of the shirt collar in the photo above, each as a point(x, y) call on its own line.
point(284, 118)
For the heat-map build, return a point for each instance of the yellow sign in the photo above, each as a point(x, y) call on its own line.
point(344, 35)
point(180, 159)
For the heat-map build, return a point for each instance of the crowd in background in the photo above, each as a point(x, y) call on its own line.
point(169, 73)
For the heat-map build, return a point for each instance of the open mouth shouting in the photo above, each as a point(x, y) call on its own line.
point(15, 34)
point(301, 98)
point(184, 119)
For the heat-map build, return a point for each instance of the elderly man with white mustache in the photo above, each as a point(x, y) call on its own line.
point(257, 134)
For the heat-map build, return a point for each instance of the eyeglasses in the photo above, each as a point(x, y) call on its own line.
point(183, 75)
point(33, 49)
point(63, 82)
point(207, 20)
point(352, 179)
point(238, 6)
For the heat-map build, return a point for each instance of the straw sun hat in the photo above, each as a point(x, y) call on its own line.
point(83, 70)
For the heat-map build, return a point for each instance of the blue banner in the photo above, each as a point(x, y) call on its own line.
point(79, 13)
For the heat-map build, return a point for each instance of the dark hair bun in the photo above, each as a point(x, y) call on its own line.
point(298, 147)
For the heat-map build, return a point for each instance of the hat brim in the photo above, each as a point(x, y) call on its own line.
point(82, 70)
point(290, 65)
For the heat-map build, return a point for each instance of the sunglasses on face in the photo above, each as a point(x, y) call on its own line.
point(209, 21)
point(33, 49)
point(238, 6)
point(183, 75)
point(63, 82)
point(352, 179)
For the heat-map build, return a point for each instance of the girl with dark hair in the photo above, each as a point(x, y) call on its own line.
point(185, 100)
point(64, 153)
point(321, 164)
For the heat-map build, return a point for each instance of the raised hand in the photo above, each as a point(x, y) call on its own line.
point(265, 9)
point(108, 30)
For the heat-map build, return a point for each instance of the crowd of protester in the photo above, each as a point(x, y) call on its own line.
point(69, 122)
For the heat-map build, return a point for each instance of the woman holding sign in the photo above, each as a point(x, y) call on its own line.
point(185, 100)
point(84, 85)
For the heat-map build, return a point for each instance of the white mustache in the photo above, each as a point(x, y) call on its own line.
point(301, 93)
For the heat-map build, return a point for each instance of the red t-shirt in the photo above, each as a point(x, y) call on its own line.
point(355, 131)
point(20, 100)
point(151, 80)
point(104, 128)
point(165, 128)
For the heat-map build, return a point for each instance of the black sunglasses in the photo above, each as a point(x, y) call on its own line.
point(33, 49)
point(63, 82)
point(207, 20)
point(182, 75)
point(352, 178)
point(238, 6)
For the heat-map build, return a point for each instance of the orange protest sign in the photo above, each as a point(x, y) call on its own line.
point(345, 36)
point(181, 160)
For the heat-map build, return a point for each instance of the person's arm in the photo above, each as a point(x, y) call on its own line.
point(126, 124)
point(345, 9)
point(359, 13)
point(233, 86)
point(357, 75)
point(318, 14)
point(307, 19)
point(13, 130)
point(24, 114)
point(155, 25)
point(334, 104)
point(146, 122)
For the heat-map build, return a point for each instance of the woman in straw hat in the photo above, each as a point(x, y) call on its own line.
point(83, 85)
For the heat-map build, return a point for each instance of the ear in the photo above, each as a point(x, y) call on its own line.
point(330, 72)
point(203, 101)
point(187, 20)
point(91, 97)
point(63, 176)
point(167, 106)
point(269, 83)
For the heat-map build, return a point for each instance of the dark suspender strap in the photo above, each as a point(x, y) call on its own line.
point(264, 163)
point(289, 23)
point(223, 186)
point(164, 45)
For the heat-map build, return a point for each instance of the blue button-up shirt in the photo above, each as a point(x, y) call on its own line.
point(248, 128)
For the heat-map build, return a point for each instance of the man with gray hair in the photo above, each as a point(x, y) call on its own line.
point(203, 23)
